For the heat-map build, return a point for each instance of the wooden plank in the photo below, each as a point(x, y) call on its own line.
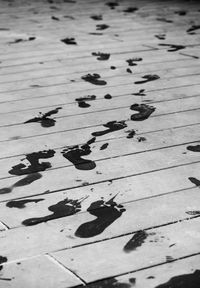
point(37, 272)
point(100, 258)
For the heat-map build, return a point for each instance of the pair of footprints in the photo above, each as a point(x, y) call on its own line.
point(106, 212)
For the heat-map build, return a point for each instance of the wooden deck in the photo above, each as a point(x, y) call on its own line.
point(99, 144)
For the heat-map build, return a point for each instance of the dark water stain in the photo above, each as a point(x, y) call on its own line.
point(69, 41)
point(181, 12)
point(150, 277)
point(22, 40)
point(112, 67)
point(101, 56)
point(96, 17)
point(102, 26)
point(2, 260)
point(136, 241)
point(194, 148)
point(75, 153)
point(183, 281)
point(61, 209)
point(112, 126)
point(106, 213)
point(131, 61)
point(4, 29)
point(95, 33)
point(129, 70)
point(22, 182)
point(44, 119)
point(109, 283)
point(192, 29)
point(193, 213)
point(82, 101)
point(144, 111)
point(131, 133)
point(162, 19)
point(55, 18)
point(173, 47)
point(69, 17)
point(104, 146)
point(131, 10)
point(91, 141)
point(35, 166)
point(140, 93)
point(141, 139)
point(148, 78)
point(94, 79)
point(112, 5)
point(161, 36)
point(107, 96)
point(195, 181)
point(132, 280)
point(21, 203)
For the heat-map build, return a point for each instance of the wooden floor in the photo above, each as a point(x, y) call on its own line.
point(99, 144)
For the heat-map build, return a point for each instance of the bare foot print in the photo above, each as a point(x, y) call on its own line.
point(69, 41)
point(112, 126)
point(194, 148)
point(173, 47)
point(44, 119)
point(131, 61)
point(35, 166)
point(102, 26)
point(82, 101)
point(101, 56)
point(94, 79)
point(22, 182)
point(144, 111)
point(61, 209)
point(75, 153)
point(147, 78)
point(96, 17)
point(136, 241)
point(106, 213)
point(21, 203)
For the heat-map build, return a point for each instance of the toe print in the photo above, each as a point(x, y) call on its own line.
point(106, 213)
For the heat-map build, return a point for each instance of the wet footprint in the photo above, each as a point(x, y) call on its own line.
point(194, 148)
point(148, 78)
point(112, 126)
point(61, 209)
point(131, 61)
point(106, 213)
point(102, 26)
point(69, 41)
point(144, 111)
point(22, 182)
point(21, 203)
point(101, 56)
point(136, 241)
point(96, 17)
point(44, 119)
point(94, 79)
point(130, 10)
point(112, 5)
point(82, 101)
point(34, 166)
point(161, 36)
point(75, 153)
point(173, 47)
point(140, 93)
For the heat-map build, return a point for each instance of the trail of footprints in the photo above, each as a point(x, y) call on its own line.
point(106, 212)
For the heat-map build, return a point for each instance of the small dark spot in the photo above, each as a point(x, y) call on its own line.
point(112, 67)
point(82, 101)
point(132, 280)
point(69, 17)
point(104, 146)
point(160, 36)
point(150, 277)
point(169, 258)
point(69, 41)
point(112, 5)
point(129, 70)
point(109, 283)
point(181, 12)
point(102, 26)
point(108, 96)
point(95, 33)
point(101, 56)
point(96, 17)
point(172, 47)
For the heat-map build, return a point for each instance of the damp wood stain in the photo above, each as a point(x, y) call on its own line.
point(22, 182)
point(106, 213)
point(144, 111)
point(94, 79)
point(136, 241)
point(44, 119)
point(34, 166)
point(111, 127)
point(61, 209)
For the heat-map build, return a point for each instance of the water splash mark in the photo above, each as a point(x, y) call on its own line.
point(160, 36)
point(55, 18)
point(22, 182)
point(173, 47)
point(106, 213)
point(94, 79)
point(75, 153)
point(61, 209)
point(112, 4)
point(148, 78)
point(112, 126)
point(101, 56)
point(69, 41)
point(131, 133)
point(34, 164)
point(21, 203)
point(107, 96)
point(136, 241)
point(144, 111)
point(130, 10)
point(129, 70)
point(104, 146)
